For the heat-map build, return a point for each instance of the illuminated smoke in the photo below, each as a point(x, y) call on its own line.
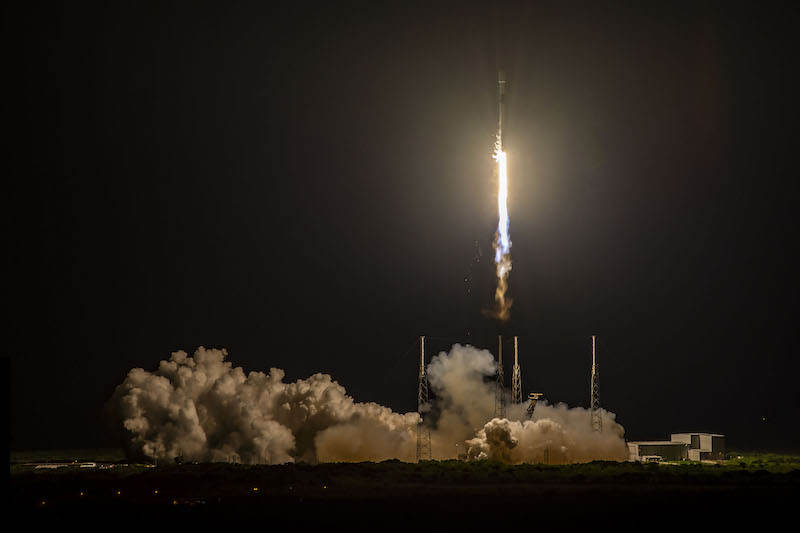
point(203, 408)
point(554, 435)
point(502, 242)
point(463, 382)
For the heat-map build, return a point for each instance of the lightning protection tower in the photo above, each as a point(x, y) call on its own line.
point(423, 407)
point(516, 377)
point(594, 395)
point(500, 389)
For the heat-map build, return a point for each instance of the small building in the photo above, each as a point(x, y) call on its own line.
point(702, 446)
point(680, 447)
point(658, 450)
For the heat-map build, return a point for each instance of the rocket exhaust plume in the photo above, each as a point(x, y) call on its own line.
point(502, 242)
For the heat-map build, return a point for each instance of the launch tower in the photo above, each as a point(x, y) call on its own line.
point(516, 377)
point(500, 389)
point(594, 395)
point(423, 407)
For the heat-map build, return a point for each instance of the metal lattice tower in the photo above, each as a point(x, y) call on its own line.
point(423, 406)
point(500, 388)
point(594, 398)
point(516, 377)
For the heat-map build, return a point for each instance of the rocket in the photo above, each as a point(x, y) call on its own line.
point(501, 100)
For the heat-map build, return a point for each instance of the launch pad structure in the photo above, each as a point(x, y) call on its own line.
point(424, 451)
point(516, 376)
point(516, 380)
point(500, 387)
point(423, 407)
point(594, 393)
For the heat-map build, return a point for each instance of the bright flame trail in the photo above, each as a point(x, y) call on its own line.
point(503, 246)
point(502, 243)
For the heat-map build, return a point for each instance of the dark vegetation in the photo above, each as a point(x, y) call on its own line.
point(393, 494)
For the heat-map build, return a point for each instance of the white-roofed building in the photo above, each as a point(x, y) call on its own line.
point(680, 447)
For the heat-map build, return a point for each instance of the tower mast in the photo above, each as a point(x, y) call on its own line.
point(423, 406)
point(516, 377)
point(499, 390)
point(594, 395)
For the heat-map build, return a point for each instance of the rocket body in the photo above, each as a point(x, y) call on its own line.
point(501, 100)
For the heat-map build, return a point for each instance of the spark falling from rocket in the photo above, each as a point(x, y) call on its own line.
point(502, 242)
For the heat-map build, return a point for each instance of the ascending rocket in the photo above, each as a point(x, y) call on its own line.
point(501, 99)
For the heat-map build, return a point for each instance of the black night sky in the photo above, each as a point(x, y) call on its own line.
point(309, 187)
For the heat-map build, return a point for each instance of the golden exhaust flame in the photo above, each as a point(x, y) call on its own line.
point(502, 242)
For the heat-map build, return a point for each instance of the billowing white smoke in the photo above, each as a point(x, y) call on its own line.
point(554, 435)
point(463, 382)
point(204, 409)
point(464, 401)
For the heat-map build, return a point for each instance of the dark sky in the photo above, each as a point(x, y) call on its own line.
point(306, 186)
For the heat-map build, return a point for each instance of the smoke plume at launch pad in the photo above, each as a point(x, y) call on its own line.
point(203, 408)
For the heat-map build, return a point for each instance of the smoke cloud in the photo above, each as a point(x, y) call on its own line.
point(554, 435)
point(203, 408)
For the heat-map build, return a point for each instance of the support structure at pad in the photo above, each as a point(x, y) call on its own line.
point(423, 408)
